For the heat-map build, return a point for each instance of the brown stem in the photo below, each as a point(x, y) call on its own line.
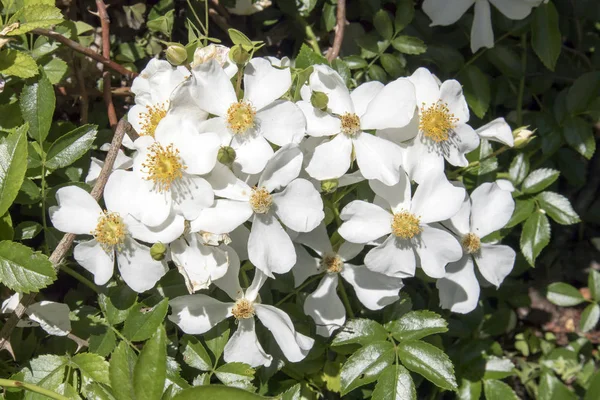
point(83, 97)
point(84, 50)
point(65, 243)
point(105, 24)
point(334, 51)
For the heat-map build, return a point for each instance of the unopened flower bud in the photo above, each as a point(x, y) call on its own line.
point(158, 251)
point(239, 55)
point(522, 136)
point(330, 185)
point(176, 53)
point(226, 155)
point(319, 100)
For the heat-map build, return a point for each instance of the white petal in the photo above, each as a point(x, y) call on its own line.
point(264, 83)
point(327, 80)
point(91, 256)
point(451, 94)
point(463, 140)
point(393, 107)
point(243, 346)
point(10, 305)
point(299, 206)
point(184, 110)
point(491, 209)
point(219, 126)
point(427, 87)
point(257, 283)
point(52, 317)
point(403, 134)
point(281, 122)
point(325, 307)
point(363, 95)
point(294, 345)
point(223, 217)
point(77, 211)
point(212, 90)
point(482, 34)
point(252, 153)
point(513, 9)
point(397, 196)
point(394, 257)
point(191, 194)
point(497, 130)
point(165, 233)
point(378, 158)
point(422, 158)
point(505, 184)
point(157, 81)
point(459, 288)
point(119, 193)
point(331, 159)
point(306, 265)
point(444, 12)
point(230, 282)
point(364, 222)
point(239, 241)
point(436, 199)
point(197, 313)
point(137, 196)
point(460, 223)
point(226, 184)
point(138, 269)
point(374, 290)
point(284, 167)
point(197, 150)
point(270, 248)
point(349, 250)
point(350, 179)
point(436, 248)
point(495, 262)
point(201, 264)
point(319, 123)
point(317, 239)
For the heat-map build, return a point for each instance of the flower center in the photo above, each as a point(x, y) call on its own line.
point(243, 309)
point(163, 166)
point(332, 263)
point(471, 243)
point(240, 117)
point(260, 200)
point(350, 124)
point(110, 231)
point(437, 122)
point(149, 120)
point(406, 225)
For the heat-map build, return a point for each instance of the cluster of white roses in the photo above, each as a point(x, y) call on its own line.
point(224, 172)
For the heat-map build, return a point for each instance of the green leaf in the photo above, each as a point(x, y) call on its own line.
point(70, 147)
point(583, 92)
point(16, 63)
point(217, 338)
point(558, 207)
point(150, 370)
point(383, 24)
point(377, 73)
point(97, 391)
point(498, 390)
point(195, 355)
point(416, 325)
point(216, 392)
point(523, 209)
point(469, 390)
point(545, 34)
point(27, 230)
point(580, 136)
point(589, 317)
point(236, 374)
point(355, 62)
point(593, 392)
point(13, 165)
point(122, 364)
point(103, 344)
point(362, 331)
point(292, 393)
point(539, 180)
point(594, 284)
point(140, 325)
point(392, 65)
point(93, 367)
point(535, 236)
point(55, 70)
point(6, 229)
point(519, 168)
point(396, 383)
point(238, 37)
point(477, 90)
point(22, 269)
point(409, 45)
point(163, 24)
point(427, 360)
point(37, 108)
point(117, 305)
point(307, 57)
point(551, 388)
point(46, 371)
point(365, 365)
point(405, 12)
point(35, 16)
point(498, 368)
point(564, 295)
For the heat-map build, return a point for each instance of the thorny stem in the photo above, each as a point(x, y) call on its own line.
point(105, 24)
point(340, 26)
point(32, 388)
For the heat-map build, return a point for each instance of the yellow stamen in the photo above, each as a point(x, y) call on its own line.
point(243, 309)
point(240, 117)
point(437, 122)
point(350, 124)
point(150, 119)
point(163, 166)
point(406, 225)
point(471, 243)
point(260, 200)
point(110, 231)
point(333, 264)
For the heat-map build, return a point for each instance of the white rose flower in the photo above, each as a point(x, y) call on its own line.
point(197, 313)
point(413, 238)
point(438, 128)
point(374, 290)
point(497, 130)
point(247, 124)
point(370, 106)
point(487, 211)
point(52, 317)
point(297, 205)
point(77, 212)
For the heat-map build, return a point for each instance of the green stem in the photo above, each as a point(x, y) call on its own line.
point(198, 18)
point(522, 82)
point(476, 163)
point(298, 289)
point(32, 388)
point(81, 278)
point(43, 190)
point(345, 298)
point(312, 38)
point(123, 338)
